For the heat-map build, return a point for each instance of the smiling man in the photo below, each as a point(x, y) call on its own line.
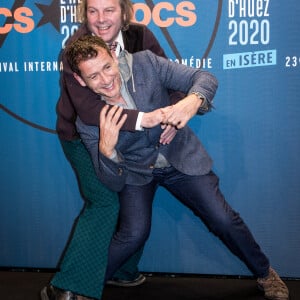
point(112, 19)
point(102, 76)
point(135, 164)
point(105, 18)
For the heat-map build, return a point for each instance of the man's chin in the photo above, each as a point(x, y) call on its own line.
point(104, 34)
point(110, 98)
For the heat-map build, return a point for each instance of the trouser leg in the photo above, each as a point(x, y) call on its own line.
point(134, 224)
point(129, 270)
point(84, 262)
point(203, 196)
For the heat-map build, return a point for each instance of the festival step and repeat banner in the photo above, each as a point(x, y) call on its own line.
point(251, 46)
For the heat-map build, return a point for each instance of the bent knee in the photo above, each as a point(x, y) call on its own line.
point(134, 235)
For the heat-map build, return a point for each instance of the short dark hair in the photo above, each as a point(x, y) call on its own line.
point(82, 49)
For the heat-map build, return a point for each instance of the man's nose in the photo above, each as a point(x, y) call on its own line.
point(105, 79)
point(101, 17)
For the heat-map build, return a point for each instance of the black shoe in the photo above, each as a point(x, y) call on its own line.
point(52, 293)
point(127, 283)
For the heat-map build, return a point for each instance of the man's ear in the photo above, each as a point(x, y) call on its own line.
point(79, 79)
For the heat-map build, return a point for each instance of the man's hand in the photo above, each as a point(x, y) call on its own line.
point(168, 134)
point(151, 119)
point(180, 113)
point(110, 124)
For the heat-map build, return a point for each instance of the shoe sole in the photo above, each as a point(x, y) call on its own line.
point(138, 282)
point(44, 295)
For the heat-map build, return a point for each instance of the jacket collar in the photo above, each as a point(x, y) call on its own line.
point(125, 65)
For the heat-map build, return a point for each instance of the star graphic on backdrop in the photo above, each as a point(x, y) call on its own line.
point(51, 14)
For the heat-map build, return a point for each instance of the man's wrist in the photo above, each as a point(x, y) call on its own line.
point(105, 152)
point(114, 156)
point(151, 119)
point(145, 120)
point(204, 103)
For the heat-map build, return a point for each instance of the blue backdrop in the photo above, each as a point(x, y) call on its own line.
point(253, 133)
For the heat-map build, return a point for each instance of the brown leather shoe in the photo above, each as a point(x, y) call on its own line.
point(273, 287)
point(52, 293)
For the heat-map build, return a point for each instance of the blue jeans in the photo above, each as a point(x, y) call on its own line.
point(203, 196)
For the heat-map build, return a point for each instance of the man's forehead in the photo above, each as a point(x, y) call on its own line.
point(97, 62)
point(103, 3)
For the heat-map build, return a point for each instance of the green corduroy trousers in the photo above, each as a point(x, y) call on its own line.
point(83, 265)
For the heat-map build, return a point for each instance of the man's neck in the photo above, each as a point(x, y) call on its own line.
point(115, 101)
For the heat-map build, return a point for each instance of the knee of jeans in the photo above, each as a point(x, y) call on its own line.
point(135, 234)
point(225, 222)
point(142, 235)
